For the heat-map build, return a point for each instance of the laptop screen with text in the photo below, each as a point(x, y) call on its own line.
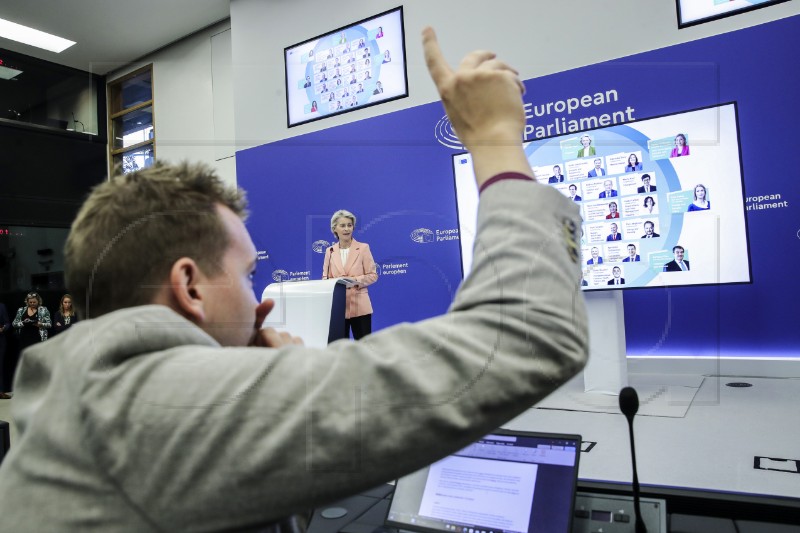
point(508, 481)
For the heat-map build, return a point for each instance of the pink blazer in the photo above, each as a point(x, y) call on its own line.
point(677, 153)
point(361, 267)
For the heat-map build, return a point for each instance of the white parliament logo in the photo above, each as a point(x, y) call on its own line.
point(446, 135)
point(422, 235)
point(393, 269)
point(280, 275)
point(320, 246)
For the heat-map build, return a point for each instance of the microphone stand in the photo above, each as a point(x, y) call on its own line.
point(629, 405)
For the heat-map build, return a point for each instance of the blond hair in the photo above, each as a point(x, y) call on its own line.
point(132, 229)
point(61, 305)
point(340, 214)
point(35, 295)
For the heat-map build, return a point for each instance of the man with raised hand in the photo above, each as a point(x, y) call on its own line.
point(170, 409)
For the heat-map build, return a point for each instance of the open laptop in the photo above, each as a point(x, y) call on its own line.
point(506, 482)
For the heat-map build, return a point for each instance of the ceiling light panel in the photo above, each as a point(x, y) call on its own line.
point(39, 39)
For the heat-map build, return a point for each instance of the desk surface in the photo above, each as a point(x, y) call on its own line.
point(712, 447)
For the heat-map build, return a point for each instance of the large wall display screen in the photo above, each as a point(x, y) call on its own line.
point(661, 199)
point(356, 66)
point(395, 172)
point(691, 12)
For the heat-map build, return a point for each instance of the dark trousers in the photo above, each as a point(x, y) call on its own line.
point(2, 365)
point(360, 325)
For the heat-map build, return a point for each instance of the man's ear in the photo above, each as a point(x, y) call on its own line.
point(185, 278)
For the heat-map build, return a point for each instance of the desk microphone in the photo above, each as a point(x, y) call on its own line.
point(629, 405)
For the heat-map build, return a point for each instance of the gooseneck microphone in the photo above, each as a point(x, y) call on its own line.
point(629, 405)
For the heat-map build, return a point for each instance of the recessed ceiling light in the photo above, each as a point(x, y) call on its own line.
point(39, 39)
point(8, 73)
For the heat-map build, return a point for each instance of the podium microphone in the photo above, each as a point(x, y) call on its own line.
point(629, 405)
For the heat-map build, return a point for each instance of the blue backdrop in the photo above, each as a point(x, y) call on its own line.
point(395, 173)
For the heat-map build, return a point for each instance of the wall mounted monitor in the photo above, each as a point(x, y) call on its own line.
point(356, 66)
point(662, 199)
point(691, 12)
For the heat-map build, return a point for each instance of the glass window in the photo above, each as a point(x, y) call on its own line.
point(132, 128)
point(43, 94)
point(135, 159)
point(132, 125)
point(131, 90)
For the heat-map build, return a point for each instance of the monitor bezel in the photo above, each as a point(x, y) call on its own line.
point(661, 286)
point(710, 18)
point(404, 94)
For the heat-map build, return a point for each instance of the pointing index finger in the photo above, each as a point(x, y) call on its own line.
point(437, 65)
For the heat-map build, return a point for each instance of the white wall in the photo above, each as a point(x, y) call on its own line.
point(192, 89)
point(222, 89)
point(537, 37)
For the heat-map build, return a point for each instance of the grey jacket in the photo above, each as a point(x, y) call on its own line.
point(139, 421)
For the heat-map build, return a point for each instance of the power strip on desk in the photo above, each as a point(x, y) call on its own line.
point(602, 513)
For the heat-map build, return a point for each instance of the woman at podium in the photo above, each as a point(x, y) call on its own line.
point(349, 258)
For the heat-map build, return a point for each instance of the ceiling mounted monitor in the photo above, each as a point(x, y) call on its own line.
point(691, 12)
point(349, 68)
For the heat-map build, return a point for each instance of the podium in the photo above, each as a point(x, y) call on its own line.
point(606, 371)
point(311, 310)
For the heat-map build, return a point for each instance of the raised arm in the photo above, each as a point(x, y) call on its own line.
point(483, 100)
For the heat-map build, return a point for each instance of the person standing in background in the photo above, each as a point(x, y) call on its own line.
point(65, 316)
point(5, 323)
point(349, 258)
point(32, 321)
